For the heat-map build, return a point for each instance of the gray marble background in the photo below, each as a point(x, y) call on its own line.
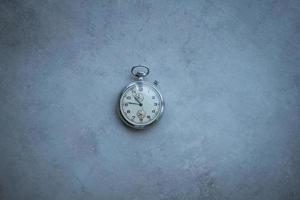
point(229, 71)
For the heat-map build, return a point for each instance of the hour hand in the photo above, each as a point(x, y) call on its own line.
point(134, 103)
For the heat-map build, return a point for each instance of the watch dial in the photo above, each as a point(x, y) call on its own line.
point(140, 104)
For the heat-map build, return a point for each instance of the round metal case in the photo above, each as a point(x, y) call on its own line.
point(141, 103)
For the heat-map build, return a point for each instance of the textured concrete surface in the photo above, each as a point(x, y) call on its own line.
point(230, 74)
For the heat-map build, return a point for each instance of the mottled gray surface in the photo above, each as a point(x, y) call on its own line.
point(230, 74)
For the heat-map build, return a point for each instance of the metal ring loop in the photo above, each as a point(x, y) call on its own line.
point(140, 73)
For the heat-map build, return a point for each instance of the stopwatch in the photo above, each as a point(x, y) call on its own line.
point(141, 103)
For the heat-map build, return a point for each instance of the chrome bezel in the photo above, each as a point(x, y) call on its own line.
point(135, 126)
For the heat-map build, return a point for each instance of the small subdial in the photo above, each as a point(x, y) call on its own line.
point(140, 114)
point(138, 95)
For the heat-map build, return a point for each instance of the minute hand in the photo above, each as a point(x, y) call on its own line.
point(138, 101)
point(133, 103)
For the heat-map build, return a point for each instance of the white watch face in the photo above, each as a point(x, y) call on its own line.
point(140, 104)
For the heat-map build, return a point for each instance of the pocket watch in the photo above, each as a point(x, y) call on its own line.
point(141, 103)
